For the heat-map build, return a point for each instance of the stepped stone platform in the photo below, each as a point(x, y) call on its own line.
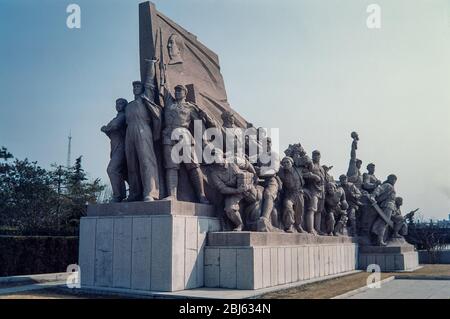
point(154, 246)
point(252, 260)
point(160, 207)
point(172, 246)
point(246, 238)
point(401, 257)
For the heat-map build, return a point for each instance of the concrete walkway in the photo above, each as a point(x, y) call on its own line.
point(24, 288)
point(201, 293)
point(408, 289)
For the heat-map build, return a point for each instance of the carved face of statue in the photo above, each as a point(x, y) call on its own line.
point(174, 51)
point(297, 160)
point(308, 164)
point(120, 105)
point(392, 179)
point(398, 201)
point(371, 169)
point(228, 119)
point(358, 164)
point(219, 159)
point(138, 89)
point(316, 157)
point(330, 188)
point(343, 179)
point(286, 163)
point(180, 94)
point(262, 134)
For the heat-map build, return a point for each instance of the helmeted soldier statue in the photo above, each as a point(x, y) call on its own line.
point(178, 117)
point(117, 167)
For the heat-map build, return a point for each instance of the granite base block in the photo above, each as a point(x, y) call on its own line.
point(250, 260)
point(389, 258)
point(144, 252)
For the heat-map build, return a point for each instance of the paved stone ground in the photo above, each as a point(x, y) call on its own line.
point(431, 281)
point(57, 290)
point(408, 289)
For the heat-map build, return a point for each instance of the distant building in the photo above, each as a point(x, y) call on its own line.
point(444, 223)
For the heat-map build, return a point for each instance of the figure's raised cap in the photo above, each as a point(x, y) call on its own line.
point(181, 87)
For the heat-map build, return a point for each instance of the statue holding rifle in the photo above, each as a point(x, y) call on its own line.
point(177, 119)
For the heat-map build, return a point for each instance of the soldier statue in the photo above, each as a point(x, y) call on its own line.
point(352, 195)
point(315, 191)
point(143, 118)
point(335, 209)
point(235, 180)
point(267, 168)
point(400, 226)
point(370, 181)
point(179, 115)
point(314, 195)
point(293, 200)
point(117, 167)
point(384, 197)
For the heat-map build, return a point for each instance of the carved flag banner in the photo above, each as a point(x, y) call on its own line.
point(186, 61)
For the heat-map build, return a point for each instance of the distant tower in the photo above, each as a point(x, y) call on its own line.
point(69, 149)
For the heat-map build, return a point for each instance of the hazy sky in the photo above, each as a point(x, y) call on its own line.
point(311, 68)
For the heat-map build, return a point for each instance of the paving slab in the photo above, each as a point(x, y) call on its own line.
point(210, 293)
point(408, 289)
point(23, 288)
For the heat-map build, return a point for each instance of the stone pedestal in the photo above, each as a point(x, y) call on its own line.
point(156, 246)
point(252, 260)
point(389, 258)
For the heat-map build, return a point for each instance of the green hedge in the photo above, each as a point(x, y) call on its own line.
point(26, 255)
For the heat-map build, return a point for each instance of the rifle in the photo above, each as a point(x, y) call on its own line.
point(162, 66)
point(410, 215)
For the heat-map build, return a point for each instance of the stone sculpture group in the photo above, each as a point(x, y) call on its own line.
point(262, 193)
point(297, 194)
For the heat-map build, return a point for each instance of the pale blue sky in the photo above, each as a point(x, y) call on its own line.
point(310, 68)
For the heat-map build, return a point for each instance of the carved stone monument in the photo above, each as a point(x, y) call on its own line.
point(379, 218)
point(244, 223)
